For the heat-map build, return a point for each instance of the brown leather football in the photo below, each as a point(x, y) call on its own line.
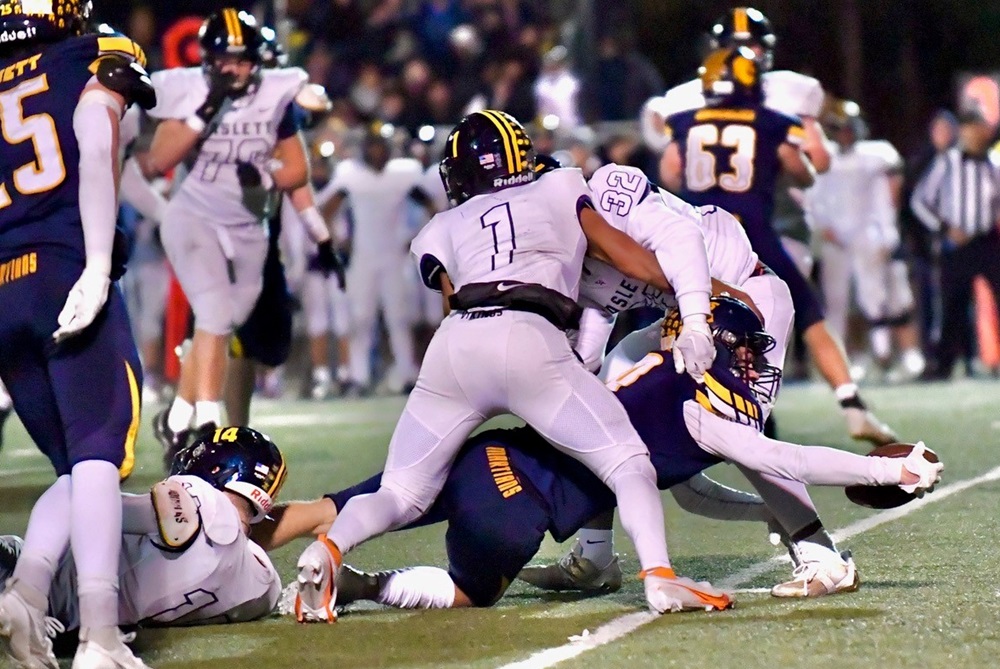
point(885, 496)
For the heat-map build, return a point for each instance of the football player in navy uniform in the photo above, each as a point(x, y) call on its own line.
point(730, 153)
point(69, 359)
point(506, 489)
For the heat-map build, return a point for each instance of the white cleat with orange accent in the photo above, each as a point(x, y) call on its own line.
point(317, 593)
point(668, 593)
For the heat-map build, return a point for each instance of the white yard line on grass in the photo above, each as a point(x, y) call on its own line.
point(623, 625)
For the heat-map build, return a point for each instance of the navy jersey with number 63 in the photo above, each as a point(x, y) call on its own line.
point(730, 156)
point(39, 92)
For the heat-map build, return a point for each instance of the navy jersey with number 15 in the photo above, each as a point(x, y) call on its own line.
point(39, 92)
point(730, 156)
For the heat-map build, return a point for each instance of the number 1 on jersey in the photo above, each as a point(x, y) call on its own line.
point(500, 223)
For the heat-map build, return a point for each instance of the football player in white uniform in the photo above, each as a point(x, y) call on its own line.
point(853, 207)
point(186, 556)
point(376, 188)
point(239, 122)
point(509, 257)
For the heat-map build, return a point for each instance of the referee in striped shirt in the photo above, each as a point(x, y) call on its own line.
point(959, 200)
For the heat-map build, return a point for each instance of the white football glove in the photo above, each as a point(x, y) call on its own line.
point(84, 302)
point(694, 348)
point(929, 472)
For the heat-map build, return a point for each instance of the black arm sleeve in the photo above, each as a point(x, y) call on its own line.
point(420, 196)
point(290, 124)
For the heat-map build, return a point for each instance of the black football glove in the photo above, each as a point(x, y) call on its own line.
point(248, 175)
point(330, 263)
point(220, 88)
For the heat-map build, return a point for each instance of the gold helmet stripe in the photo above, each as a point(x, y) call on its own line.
point(235, 28)
point(454, 145)
point(509, 141)
point(740, 22)
point(279, 480)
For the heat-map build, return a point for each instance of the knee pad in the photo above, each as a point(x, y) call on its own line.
point(635, 465)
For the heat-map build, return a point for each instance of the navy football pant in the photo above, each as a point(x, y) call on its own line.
point(78, 400)
point(490, 538)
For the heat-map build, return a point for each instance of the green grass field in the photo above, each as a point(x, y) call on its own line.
point(930, 595)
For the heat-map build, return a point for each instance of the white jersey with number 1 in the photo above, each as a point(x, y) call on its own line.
point(529, 233)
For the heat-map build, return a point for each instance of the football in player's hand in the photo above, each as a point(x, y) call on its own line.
point(885, 496)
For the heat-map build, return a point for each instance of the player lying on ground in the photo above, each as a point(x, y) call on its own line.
point(506, 489)
point(186, 556)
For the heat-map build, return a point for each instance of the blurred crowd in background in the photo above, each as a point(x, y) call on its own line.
point(578, 79)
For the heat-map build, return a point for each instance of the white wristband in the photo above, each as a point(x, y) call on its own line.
point(315, 225)
point(195, 123)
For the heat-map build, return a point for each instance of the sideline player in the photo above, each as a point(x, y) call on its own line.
point(853, 207)
point(237, 120)
point(186, 555)
point(376, 187)
point(509, 257)
point(69, 359)
point(506, 489)
point(729, 154)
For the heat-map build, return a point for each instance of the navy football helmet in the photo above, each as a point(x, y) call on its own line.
point(24, 22)
point(274, 54)
point(740, 341)
point(486, 152)
point(731, 77)
point(230, 32)
point(745, 26)
point(236, 459)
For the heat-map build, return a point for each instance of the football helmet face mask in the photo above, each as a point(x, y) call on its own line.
point(486, 152)
point(238, 460)
point(741, 342)
point(731, 77)
point(745, 26)
point(27, 22)
point(232, 43)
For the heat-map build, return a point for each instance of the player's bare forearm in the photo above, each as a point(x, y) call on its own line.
point(610, 245)
point(172, 142)
point(815, 145)
point(723, 288)
point(333, 205)
point(797, 165)
point(447, 290)
point(293, 520)
point(294, 170)
point(672, 168)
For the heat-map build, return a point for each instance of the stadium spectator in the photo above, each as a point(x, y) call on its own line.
point(557, 89)
point(625, 78)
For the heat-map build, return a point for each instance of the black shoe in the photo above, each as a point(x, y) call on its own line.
point(10, 551)
point(172, 442)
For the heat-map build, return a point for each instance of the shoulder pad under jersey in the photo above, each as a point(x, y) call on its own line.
point(128, 79)
point(793, 93)
point(682, 98)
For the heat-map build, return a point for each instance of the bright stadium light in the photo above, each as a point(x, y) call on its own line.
point(426, 133)
point(387, 130)
point(326, 149)
point(550, 122)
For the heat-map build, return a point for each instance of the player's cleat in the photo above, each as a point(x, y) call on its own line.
point(25, 631)
point(353, 585)
point(820, 572)
point(321, 388)
point(116, 655)
point(10, 551)
point(172, 442)
point(863, 425)
point(575, 572)
point(317, 581)
point(668, 593)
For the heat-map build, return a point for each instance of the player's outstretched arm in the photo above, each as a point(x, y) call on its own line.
point(293, 520)
point(293, 172)
point(812, 465)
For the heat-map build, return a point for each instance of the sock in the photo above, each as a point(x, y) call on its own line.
point(881, 342)
point(96, 538)
point(47, 538)
point(417, 588)
point(847, 395)
point(913, 361)
point(206, 411)
point(641, 510)
point(321, 374)
point(343, 374)
point(598, 546)
point(815, 533)
point(180, 415)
